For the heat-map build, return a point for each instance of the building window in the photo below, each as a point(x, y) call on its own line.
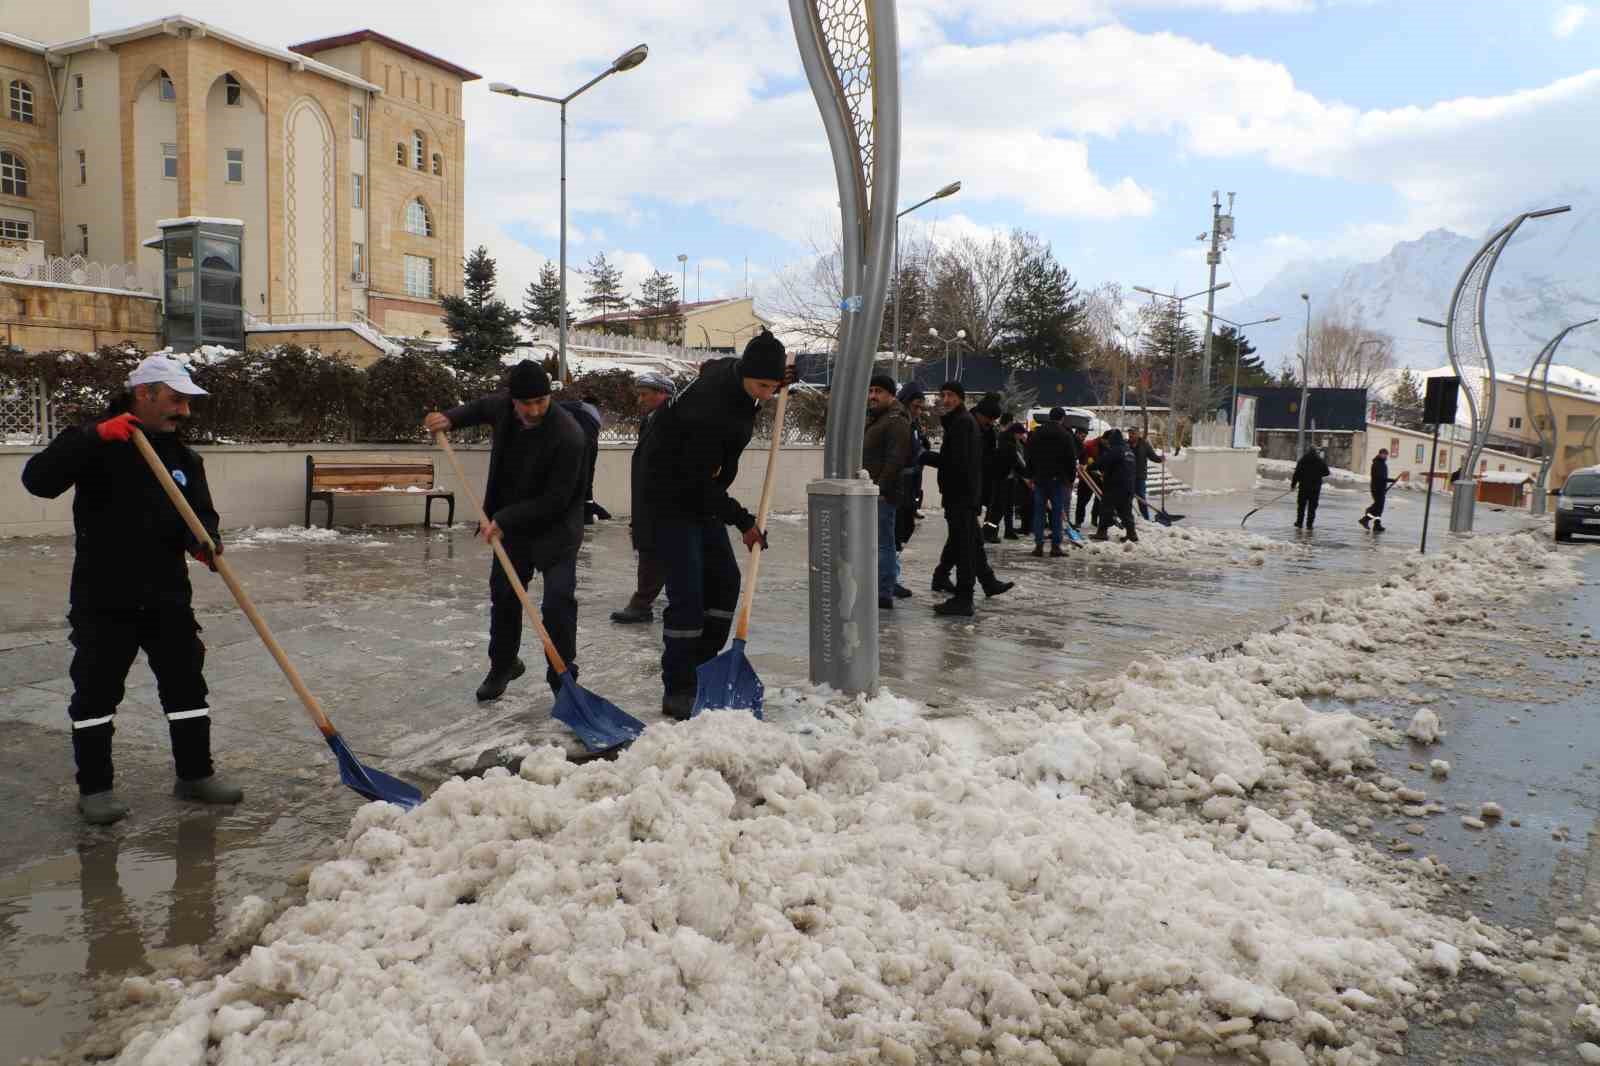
point(419, 149)
point(168, 91)
point(14, 229)
point(358, 122)
point(418, 221)
point(169, 161)
point(358, 261)
point(83, 167)
point(1394, 447)
point(233, 93)
point(83, 239)
point(13, 174)
point(400, 152)
point(77, 92)
point(21, 101)
point(356, 197)
point(419, 276)
point(1419, 454)
point(438, 165)
point(1516, 422)
point(235, 166)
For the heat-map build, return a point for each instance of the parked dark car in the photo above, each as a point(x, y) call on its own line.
point(1578, 504)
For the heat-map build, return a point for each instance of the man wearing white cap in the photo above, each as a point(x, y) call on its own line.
point(130, 585)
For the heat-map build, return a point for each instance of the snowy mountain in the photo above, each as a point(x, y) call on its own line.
point(1547, 278)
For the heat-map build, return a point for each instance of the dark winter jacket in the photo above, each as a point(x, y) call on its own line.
point(910, 497)
point(887, 448)
point(1308, 473)
point(988, 455)
point(639, 517)
point(129, 539)
point(1050, 452)
point(1115, 464)
point(960, 460)
point(1380, 477)
point(544, 511)
point(1143, 456)
point(693, 452)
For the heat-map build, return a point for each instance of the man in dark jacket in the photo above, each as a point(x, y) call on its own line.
point(654, 390)
point(1115, 465)
point(909, 502)
point(1308, 475)
point(130, 583)
point(1051, 460)
point(1143, 456)
point(960, 464)
point(1372, 518)
point(987, 414)
point(587, 411)
point(535, 502)
point(691, 458)
point(885, 452)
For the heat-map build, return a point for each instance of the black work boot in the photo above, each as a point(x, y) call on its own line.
point(997, 587)
point(678, 703)
point(958, 606)
point(1038, 551)
point(632, 616)
point(1377, 525)
point(494, 685)
point(942, 583)
point(1056, 552)
point(901, 592)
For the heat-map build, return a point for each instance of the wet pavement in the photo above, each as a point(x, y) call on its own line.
point(388, 626)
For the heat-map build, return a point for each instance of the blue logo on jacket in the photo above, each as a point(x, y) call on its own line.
point(177, 475)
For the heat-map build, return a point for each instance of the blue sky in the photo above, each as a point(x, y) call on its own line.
point(1342, 125)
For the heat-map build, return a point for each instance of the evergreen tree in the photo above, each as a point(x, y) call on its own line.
point(1288, 377)
point(912, 287)
point(1171, 350)
point(1227, 345)
point(604, 296)
point(1042, 317)
point(1407, 391)
point(541, 303)
point(658, 302)
point(481, 324)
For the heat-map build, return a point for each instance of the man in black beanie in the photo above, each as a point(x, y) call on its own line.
point(689, 460)
point(908, 504)
point(960, 463)
point(535, 502)
point(885, 451)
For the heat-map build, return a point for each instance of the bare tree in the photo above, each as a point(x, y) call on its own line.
point(1346, 353)
point(971, 280)
point(1108, 358)
point(805, 296)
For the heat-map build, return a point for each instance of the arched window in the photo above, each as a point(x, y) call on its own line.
point(233, 92)
point(21, 101)
point(417, 220)
point(438, 164)
point(419, 151)
point(13, 174)
point(167, 90)
point(400, 152)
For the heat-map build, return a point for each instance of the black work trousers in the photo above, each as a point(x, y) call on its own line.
point(963, 552)
point(106, 640)
point(1086, 496)
point(558, 610)
point(702, 592)
point(1305, 505)
point(1118, 506)
point(1375, 508)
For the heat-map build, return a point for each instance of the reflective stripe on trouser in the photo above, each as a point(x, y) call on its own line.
point(702, 592)
point(105, 643)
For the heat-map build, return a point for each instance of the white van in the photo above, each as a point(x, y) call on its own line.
point(1076, 416)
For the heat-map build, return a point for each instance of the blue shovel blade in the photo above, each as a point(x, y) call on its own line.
point(599, 723)
point(373, 784)
point(728, 680)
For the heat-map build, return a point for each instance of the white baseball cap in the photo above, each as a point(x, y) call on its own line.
point(165, 370)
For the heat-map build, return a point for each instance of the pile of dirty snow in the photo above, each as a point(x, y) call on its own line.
point(251, 537)
point(1183, 543)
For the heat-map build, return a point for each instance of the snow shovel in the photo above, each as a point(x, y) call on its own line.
point(1269, 503)
point(1088, 479)
point(728, 680)
point(599, 723)
point(1162, 517)
point(373, 784)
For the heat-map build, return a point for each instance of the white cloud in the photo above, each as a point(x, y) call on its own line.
point(1569, 18)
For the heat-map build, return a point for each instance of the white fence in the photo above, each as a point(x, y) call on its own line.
point(24, 413)
point(78, 271)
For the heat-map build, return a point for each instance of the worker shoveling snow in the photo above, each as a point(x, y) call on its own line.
point(1116, 873)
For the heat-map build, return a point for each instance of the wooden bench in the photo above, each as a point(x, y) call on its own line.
point(374, 475)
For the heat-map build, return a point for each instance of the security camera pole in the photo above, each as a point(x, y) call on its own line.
point(850, 51)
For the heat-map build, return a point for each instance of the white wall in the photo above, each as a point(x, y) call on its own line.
point(1405, 463)
point(46, 21)
point(244, 127)
point(97, 129)
point(154, 122)
point(308, 217)
point(1215, 469)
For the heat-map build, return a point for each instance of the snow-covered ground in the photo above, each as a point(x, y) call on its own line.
point(251, 536)
point(1112, 874)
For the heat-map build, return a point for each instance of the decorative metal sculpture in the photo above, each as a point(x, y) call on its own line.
point(1468, 347)
point(850, 51)
point(1544, 419)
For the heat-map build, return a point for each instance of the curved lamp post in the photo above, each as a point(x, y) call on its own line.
point(1239, 328)
point(626, 61)
point(960, 336)
point(851, 54)
point(949, 190)
point(1545, 420)
point(1467, 344)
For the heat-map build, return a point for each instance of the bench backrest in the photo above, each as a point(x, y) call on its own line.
point(368, 473)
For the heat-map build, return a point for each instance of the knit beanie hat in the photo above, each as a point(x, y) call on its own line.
point(989, 405)
point(911, 391)
point(1057, 414)
point(955, 387)
point(884, 382)
point(763, 358)
point(528, 381)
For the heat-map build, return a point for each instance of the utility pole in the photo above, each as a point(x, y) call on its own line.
point(1221, 231)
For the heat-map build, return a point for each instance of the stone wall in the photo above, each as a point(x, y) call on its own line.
point(39, 316)
point(336, 340)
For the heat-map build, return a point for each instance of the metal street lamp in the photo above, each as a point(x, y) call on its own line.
point(1305, 382)
point(626, 61)
point(949, 190)
point(1233, 402)
point(960, 336)
point(1179, 300)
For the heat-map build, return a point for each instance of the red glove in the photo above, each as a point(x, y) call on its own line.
point(204, 555)
point(754, 536)
point(118, 428)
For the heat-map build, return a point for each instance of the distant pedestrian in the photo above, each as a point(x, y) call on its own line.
point(1308, 475)
point(960, 464)
point(908, 505)
point(987, 413)
point(1115, 464)
point(885, 451)
point(653, 390)
point(1051, 460)
point(1143, 456)
point(1372, 518)
point(130, 583)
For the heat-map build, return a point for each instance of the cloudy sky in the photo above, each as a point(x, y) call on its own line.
point(1342, 125)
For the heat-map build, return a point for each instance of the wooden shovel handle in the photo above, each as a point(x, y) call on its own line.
point(175, 494)
point(748, 597)
point(556, 662)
